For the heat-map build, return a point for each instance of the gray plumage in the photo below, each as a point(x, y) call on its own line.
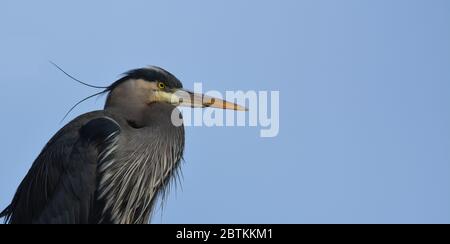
point(107, 166)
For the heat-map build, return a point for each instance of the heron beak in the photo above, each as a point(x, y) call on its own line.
point(186, 98)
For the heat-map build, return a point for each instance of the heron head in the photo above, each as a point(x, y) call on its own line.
point(142, 89)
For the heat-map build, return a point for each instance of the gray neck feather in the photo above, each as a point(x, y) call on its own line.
point(136, 167)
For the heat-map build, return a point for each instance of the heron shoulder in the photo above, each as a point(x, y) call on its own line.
point(99, 129)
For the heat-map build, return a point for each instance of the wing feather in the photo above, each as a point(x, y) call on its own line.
point(61, 185)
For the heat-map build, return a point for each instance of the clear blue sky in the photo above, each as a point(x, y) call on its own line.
point(364, 88)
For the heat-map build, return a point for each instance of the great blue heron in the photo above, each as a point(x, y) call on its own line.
point(110, 166)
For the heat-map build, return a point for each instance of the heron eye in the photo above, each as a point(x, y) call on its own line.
point(161, 85)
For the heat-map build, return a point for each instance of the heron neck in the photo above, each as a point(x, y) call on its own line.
point(153, 115)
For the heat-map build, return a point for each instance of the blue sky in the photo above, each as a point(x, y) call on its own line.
point(364, 89)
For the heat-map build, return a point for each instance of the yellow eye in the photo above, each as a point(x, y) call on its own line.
point(161, 85)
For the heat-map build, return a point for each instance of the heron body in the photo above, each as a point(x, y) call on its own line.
point(110, 166)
